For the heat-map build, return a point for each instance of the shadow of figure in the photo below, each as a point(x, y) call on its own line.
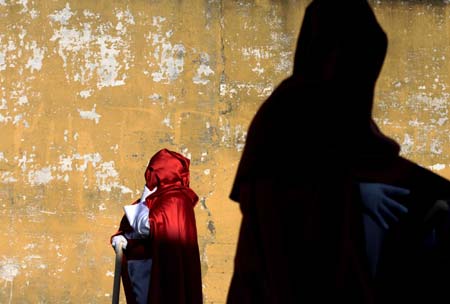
point(302, 236)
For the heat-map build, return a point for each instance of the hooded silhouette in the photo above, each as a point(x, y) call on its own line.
point(327, 101)
point(172, 246)
point(309, 144)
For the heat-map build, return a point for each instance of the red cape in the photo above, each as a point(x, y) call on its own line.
point(173, 245)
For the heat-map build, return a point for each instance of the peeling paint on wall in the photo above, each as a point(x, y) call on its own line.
point(92, 114)
point(89, 90)
point(91, 51)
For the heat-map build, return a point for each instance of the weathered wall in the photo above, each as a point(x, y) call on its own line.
point(90, 90)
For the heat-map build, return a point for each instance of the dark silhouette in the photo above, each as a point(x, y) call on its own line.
point(309, 147)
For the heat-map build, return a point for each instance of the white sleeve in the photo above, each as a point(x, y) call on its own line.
point(138, 214)
point(141, 223)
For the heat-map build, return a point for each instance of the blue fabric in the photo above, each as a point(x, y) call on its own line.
point(139, 272)
point(374, 234)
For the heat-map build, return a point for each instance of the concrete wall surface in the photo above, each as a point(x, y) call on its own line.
point(90, 90)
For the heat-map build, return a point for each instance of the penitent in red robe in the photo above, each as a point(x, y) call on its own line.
point(173, 245)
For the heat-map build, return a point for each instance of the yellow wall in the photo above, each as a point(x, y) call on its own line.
point(90, 90)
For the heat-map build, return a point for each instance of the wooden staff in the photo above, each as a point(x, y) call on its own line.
point(117, 270)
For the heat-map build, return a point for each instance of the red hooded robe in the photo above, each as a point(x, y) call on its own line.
point(173, 245)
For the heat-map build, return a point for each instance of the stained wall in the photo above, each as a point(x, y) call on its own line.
point(90, 90)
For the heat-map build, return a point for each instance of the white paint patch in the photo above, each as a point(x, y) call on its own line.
point(2, 3)
point(168, 58)
point(119, 27)
point(125, 16)
point(47, 212)
point(115, 148)
point(157, 20)
point(109, 274)
point(166, 121)
point(224, 90)
point(436, 146)
point(415, 123)
point(258, 69)
point(155, 97)
point(437, 104)
point(85, 94)
point(441, 121)
point(93, 158)
point(92, 115)
point(107, 178)
point(32, 257)
point(62, 16)
point(257, 53)
point(203, 70)
point(407, 144)
point(24, 4)
point(206, 171)
point(232, 138)
point(261, 89)
point(34, 13)
point(29, 246)
point(7, 177)
point(17, 119)
point(65, 163)
point(285, 63)
point(170, 62)
point(185, 152)
point(5, 119)
point(3, 58)
point(97, 50)
point(24, 160)
point(42, 266)
point(40, 177)
point(109, 67)
point(3, 158)
point(3, 104)
point(35, 62)
point(102, 207)
point(23, 100)
point(240, 135)
point(89, 14)
point(437, 167)
point(203, 156)
point(9, 270)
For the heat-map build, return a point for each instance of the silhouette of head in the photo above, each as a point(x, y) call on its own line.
point(340, 41)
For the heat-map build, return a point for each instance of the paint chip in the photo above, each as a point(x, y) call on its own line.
point(92, 115)
point(9, 271)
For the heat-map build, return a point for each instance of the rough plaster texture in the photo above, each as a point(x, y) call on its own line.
point(90, 90)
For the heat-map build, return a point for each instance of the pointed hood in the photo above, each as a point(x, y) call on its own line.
point(166, 170)
point(340, 41)
point(341, 48)
point(341, 44)
point(326, 104)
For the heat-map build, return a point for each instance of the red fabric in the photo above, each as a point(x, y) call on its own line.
point(173, 245)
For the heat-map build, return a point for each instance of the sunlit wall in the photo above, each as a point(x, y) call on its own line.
point(90, 90)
